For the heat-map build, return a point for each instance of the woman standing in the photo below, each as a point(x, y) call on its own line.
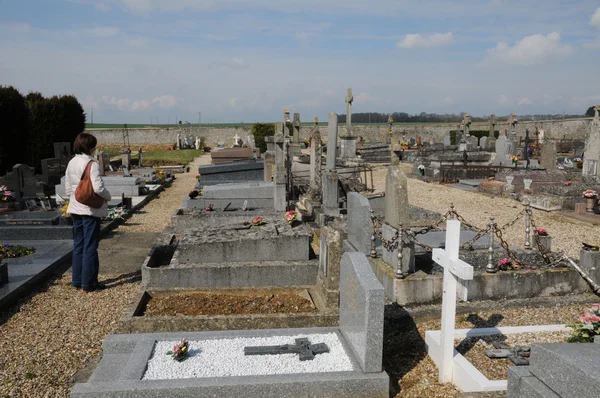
point(86, 219)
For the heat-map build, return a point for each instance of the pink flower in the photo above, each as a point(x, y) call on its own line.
point(596, 307)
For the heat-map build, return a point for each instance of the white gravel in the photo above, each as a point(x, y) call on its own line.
point(225, 357)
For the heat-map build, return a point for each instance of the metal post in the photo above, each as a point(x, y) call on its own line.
point(398, 272)
point(491, 266)
point(373, 252)
point(528, 227)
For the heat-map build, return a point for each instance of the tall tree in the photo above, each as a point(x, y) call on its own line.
point(13, 134)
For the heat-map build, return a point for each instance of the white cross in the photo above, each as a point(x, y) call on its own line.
point(455, 271)
point(236, 138)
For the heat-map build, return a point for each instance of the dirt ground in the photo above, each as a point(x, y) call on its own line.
point(226, 304)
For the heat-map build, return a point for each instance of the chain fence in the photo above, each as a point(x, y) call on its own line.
point(409, 235)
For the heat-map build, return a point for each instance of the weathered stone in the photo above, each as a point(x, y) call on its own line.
point(396, 197)
point(360, 228)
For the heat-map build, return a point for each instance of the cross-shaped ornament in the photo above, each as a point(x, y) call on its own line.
point(236, 138)
point(457, 273)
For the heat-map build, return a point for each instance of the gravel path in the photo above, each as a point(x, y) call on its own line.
point(50, 335)
point(567, 234)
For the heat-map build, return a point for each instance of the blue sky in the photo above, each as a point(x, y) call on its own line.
point(133, 61)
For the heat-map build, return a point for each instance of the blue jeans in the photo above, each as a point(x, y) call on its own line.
point(86, 236)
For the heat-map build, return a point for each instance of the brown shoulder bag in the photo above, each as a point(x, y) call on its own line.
point(85, 191)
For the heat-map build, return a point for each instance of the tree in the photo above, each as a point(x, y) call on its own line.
point(260, 131)
point(69, 119)
point(590, 112)
point(13, 134)
point(42, 114)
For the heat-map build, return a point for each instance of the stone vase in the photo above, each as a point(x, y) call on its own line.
point(546, 242)
point(589, 205)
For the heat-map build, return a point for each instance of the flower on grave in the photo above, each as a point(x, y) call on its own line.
point(198, 177)
point(209, 208)
point(541, 232)
point(14, 251)
point(568, 183)
point(115, 212)
point(589, 194)
point(180, 351)
point(421, 167)
point(194, 193)
point(507, 264)
point(405, 143)
point(290, 216)
point(586, 327)
point(5, 194)
point(514, 158)
point(258, 220)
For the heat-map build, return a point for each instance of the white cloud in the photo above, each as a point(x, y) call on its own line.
point(125, 104)
point(424, 41)
point(103, 31)
point(362, 98)
point(525, 101)
point(595, 20)
point(448, 101)
point(530, 50)
point(503, 100)
point(238, 63)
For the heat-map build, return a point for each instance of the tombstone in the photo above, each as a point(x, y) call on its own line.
point(51, 171)
point(330, 176)
point(592, 148)
point(457, 273)
point(360, 227)
point(492, 133)
point(178, 141)
point(509, 187)
point(527, 183)
point(62, 151)
point(396, 217)
point(548, 156)
point(502, 151)
point(24, 183)
point(512, 136)
point(472, 142)
point(540, 136)
point(418, 141)
point(140, 158)
point(483, 142)
point(316, 150)
point(295, 148)
point(197, 143)
point(101, 163)
point(186, 142)
point(447, 140)
point(126, 158)
point(279, 179)
point(349, 100)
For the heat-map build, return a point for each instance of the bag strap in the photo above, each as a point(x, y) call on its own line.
point(87, 169)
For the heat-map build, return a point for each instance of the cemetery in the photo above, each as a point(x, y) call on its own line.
point(343, 267)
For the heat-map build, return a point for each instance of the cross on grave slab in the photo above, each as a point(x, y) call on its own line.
point(303, 348)
point(517, 355)
point(456, 273)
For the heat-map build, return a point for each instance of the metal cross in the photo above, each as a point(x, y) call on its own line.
point(303, 348)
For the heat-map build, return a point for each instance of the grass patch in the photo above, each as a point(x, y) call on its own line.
point(159, 157)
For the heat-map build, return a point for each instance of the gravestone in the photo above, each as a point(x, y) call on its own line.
point(361, 311)
point(397, 216)
point(360, 227)
point(51, 171)
point(483, 142)
point(512, 136)
point(24, 183)
point(491, 144)
point(140, 158)
point(279, 179)
point(62, 151)
point(330, 176)
point(548, 155)
point(295, 149)
point(126, 159)
point(502, 151)
point(447, 140)
point(492, 131)
point(315, 164)
point(456, 272)
point(591, 154)
point(472, 142)
point(102, 163)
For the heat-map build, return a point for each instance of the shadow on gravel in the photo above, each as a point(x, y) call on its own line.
point(124, 279)
point(403, 347)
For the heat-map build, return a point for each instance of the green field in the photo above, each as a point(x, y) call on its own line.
point(160, 157)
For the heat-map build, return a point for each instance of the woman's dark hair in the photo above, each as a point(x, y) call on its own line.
point(84, 144)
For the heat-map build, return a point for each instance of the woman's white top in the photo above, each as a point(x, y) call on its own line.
point(73, 174)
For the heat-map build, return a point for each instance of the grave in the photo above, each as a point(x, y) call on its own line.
point(330, 176)
point(21, 182)
point(232, 172)
point(116, 185)
point(591, 157)
point(227, 155)
point(558, 370)
point(256, 195)
point(37, 225)
point(128, 365)
point(52, 170)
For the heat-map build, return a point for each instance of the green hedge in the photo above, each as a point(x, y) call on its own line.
point(260, 131)
point(476, 133)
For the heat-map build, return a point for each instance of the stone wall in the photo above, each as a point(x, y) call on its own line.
point(575, 129)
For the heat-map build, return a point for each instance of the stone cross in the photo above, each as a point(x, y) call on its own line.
point(287, 122)
point(316, 120)
point(467, 122)
point(596, 110)
point(236, 139)
point(305, 350)
point(456, 272)
point(390, 122)
point(296, 136)
point(315, 163)
point(513, 134)
point(349, 99)
point(492, 126)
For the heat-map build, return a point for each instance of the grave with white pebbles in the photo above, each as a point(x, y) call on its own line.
point(225, 357)
point(137, 365)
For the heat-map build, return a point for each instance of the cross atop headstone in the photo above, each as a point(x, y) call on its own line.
point(316, 120)
point(492, 126)
point(513, 121)
point(456, 272)
point(390, 121)
point(236, 139)
point(596, 110)
point(349, 99)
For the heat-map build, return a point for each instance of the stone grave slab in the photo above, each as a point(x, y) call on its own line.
point(360, 226)
point(27, 271)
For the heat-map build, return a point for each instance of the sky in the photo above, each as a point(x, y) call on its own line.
point(230, 61)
